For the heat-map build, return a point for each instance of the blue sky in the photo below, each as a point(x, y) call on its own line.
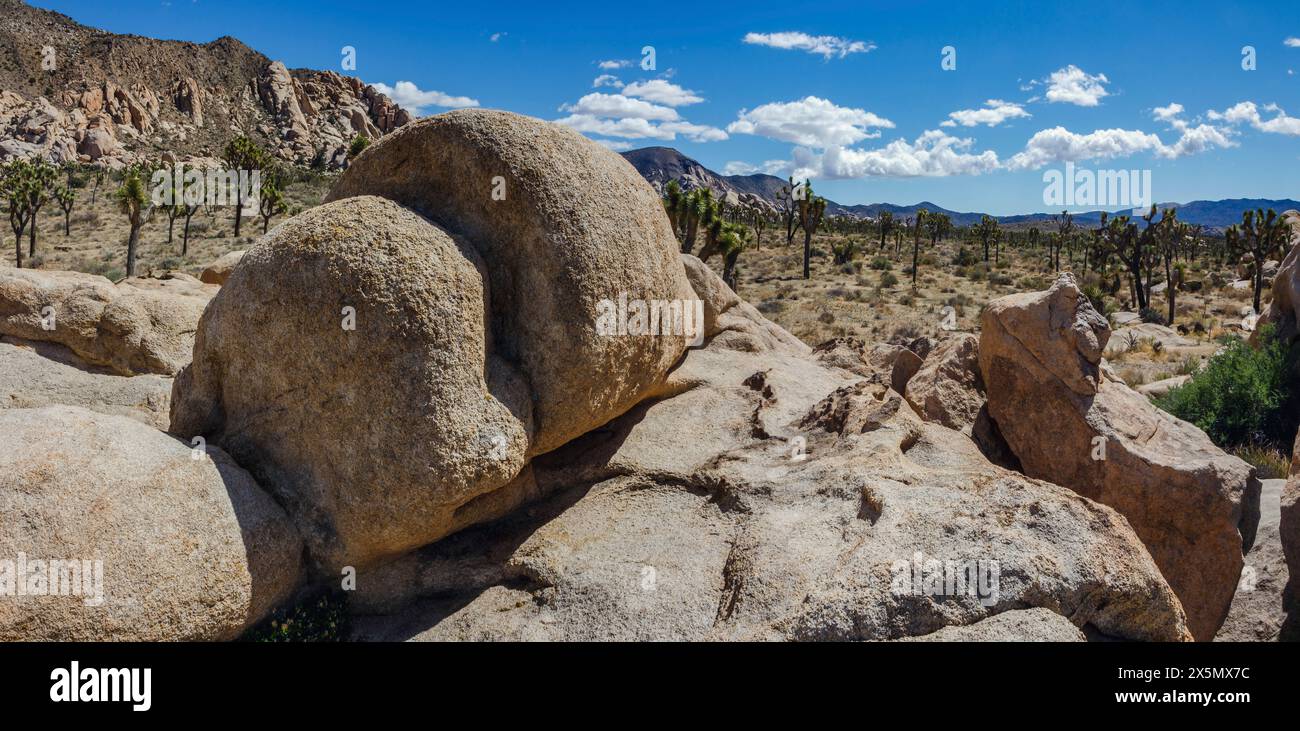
point(851, 94)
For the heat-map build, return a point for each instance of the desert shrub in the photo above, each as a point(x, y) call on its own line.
point(844, 251)
point(771, 307)
point(881, 263)
point(1241, 396)
point(965, 258)
point(888, 279)
point(1097, 298)
point(323, 618)
point(1270, 463)
point(826, 317)
point(1152, 315)
point(1000, 278)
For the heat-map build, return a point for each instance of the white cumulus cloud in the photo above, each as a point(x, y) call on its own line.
point(809, 121)
point(662, 92)
point(933, 154)
point(1073, 85)
point(994, 112)
point(607, 80)
point(1292, 42)
point(597, 104)
point(414, 100)
point(825, 46)
point(1248, 113)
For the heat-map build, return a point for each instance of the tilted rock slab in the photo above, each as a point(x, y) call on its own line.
point(219, 270)
point(138, 326)
point(1069, 421)
point(190, 549)
point(759, 494)
point(31, 377)
point(475, 344)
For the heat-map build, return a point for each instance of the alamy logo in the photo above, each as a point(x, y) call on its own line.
point(193, 186)
point(1104, 188)
point(624, 317)
point(931, 577)
point(53, 577)
point(99, 685)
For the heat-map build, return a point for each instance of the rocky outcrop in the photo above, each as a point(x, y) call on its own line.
point(34, 374)
point(152, 544)
point(219, 270)
point(1024, 625)
point(803, 508)
point(141, 325)
point(1069, 421)
point(947, 389)
point(481, 335)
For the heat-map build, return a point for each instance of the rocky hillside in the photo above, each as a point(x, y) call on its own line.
point(69, 92)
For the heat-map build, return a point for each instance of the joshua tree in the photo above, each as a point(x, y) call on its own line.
point(243, 154)
point(66, 199)
point(13, 185)
point(937, 225)
point(1064, 226)
point(987, 230)
point(1169, 235)
point(673, 200)
point(732, 242)
point(921, 217)
point(886, 225)
point(133, 201)
point(698, 210)
point(270, 200)
point(99, 180)
point(811, 210)
point(1262, 235)
point(758, 222)
point(787, 199)
point(40, 184)
point(189, 212)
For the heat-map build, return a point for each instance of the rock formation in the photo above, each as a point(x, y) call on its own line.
point(790, 512)
point(188, 549)
point(141, 325)
point(440, 378)
point(1068, 420)
point(476, 337)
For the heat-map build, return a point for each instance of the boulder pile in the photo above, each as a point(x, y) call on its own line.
point(482, 379)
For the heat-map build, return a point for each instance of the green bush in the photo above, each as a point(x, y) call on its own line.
point(888, 279)
point(882, 264)
point(319, 618)
point(965, 257)
point(1241, 397)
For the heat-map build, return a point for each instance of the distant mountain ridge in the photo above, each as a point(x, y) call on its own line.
point(658, 165)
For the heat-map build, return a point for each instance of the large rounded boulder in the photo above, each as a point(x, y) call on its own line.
point(562, 223)
point(388, 363)
point(111, 530)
